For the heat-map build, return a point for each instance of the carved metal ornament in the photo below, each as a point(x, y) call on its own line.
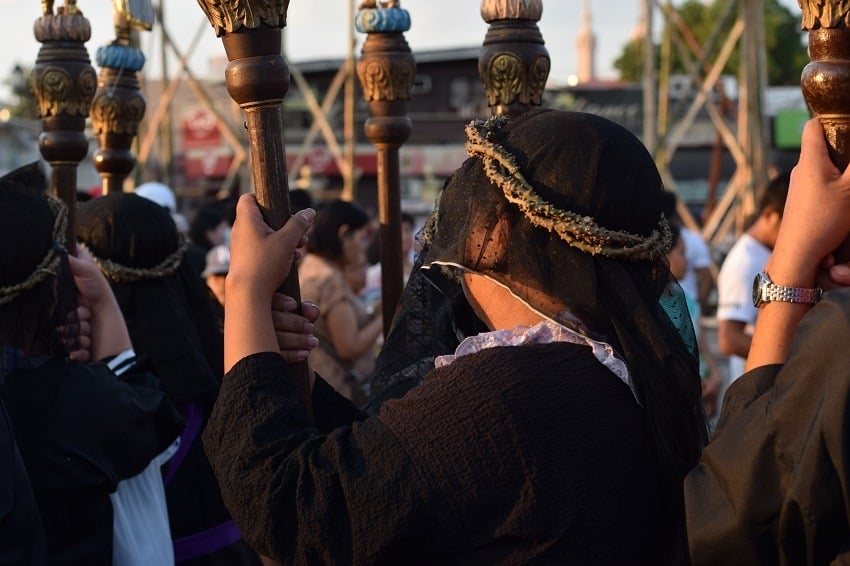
point(508, 81)
point(117, 115)
point(227, 16)
point(386, 79)
point(492, 10)
point(63, 80)
point(827, 14)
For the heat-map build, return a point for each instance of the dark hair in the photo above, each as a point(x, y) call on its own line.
point(776, 193)
point(668, 204)
point(324, 239)
point(207, 218)
point(299, 199)
point(675, 235)
point(373, 252)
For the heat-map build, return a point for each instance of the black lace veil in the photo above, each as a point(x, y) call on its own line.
point(167, 309)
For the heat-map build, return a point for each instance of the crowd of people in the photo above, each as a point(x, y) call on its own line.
point(545, 394)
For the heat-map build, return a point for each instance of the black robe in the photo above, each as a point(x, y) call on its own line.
point(533, 454)
point(773, 485)
point(81, 430)
point(21, 531)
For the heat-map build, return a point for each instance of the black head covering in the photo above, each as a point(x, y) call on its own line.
point(29, 323)
point(168, 316)
point(592, 167)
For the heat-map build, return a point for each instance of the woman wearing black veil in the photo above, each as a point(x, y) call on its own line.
point(81, 427)
point(557, 431)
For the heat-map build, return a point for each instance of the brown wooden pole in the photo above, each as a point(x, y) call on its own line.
point(257, 79)
point(514, 63)
point(64, 83)
point(826, 79)
point(386, 70)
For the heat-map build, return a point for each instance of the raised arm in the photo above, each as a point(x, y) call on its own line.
point(260, 260)
point(815, 222)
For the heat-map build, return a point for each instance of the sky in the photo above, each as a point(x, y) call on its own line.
point(317, 30)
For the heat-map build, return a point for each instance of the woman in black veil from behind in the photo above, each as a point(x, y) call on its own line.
point(595, 169)
point(561, 407)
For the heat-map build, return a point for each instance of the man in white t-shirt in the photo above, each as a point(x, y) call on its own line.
point(736, 315)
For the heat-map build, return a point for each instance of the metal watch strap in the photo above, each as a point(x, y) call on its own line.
point(774, 292)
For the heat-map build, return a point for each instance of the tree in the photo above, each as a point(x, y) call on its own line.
point(786, 52)
point(24, 103)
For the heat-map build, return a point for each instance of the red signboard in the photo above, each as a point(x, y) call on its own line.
point(200, 129)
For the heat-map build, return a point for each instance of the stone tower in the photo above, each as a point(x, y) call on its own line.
point(586, 47)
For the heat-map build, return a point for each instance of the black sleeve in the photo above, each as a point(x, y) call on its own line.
point(21, 531)
point(350, 496)
point(112, 425)
point(330, 409)
point(773, 485)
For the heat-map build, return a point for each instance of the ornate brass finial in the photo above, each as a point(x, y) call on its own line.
point(227, 16)
point(825, 80)
point(69, 8)
point(514, 64)
point(825, 14)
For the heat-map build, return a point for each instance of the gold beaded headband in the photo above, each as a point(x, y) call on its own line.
point(122, 274)
point(50, 264)
point(580, 232)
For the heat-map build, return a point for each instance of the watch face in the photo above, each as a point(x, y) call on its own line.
point(757, 286)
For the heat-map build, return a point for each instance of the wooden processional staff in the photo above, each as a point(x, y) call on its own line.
point(514, 63)
point(257, 78)
point(386, 71)
point(118, 105)
point(64, 83)
point(826, 79)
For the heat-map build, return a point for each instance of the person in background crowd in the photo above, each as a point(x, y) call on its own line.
point(168, 314)
point(164, 197)
point(736, 315)
point(209, 228)
point(346, 332)
point(84, 429)
point(697, 282)
point(559, 434)
point(217, 266)
point(373, 273)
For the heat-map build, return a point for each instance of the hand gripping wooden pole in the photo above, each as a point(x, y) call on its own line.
point(257, 78)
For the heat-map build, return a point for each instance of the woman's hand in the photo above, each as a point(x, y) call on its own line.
point(79, 346)
point(107, 329)
point(260, 260)
point(817, 213)
point(294, 332)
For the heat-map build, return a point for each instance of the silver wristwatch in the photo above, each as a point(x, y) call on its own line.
point(765, 291)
